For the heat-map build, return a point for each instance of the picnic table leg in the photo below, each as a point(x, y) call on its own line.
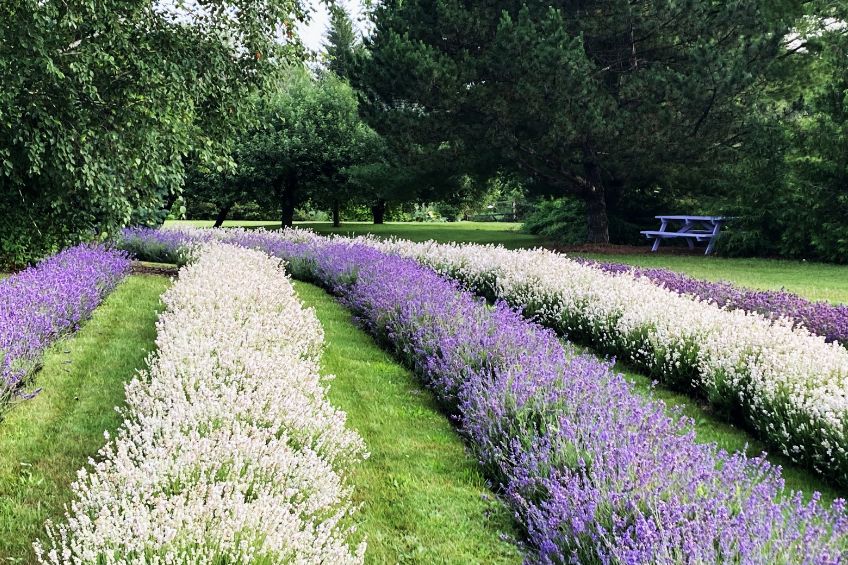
point(656, 245)
point(711, 244)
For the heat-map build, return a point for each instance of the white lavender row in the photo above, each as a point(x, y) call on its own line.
point(230, 452)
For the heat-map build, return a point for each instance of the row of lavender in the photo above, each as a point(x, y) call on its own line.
point(783, 383)
point(44, 302)
point(821, 318)
point(786, 385)
point(229, 451)
point(594, 472)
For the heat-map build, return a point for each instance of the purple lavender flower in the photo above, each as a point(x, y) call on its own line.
point(44, 302)
point(594, 472)
point(820, 318)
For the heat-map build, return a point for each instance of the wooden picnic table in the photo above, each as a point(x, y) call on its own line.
point(693, 228)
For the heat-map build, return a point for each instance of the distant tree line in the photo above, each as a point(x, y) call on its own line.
point(604, 113)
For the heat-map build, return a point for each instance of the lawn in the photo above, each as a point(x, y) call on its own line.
point(44, 441)
point(424, 499)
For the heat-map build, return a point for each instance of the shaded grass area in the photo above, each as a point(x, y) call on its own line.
point(424, 498)
point(815, 281)
point(504, 233)
point(44, 441)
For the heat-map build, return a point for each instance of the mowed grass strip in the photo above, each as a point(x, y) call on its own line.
point(423, 498)
point(45, 440)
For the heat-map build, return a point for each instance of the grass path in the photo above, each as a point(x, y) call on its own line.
point(44, 441)
point(424, 499)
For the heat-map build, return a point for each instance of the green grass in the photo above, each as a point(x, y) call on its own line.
point(816, 281)
point(423, 497)
point(504, 233)
point(44, 441)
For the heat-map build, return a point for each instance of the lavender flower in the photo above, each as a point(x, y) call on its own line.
point(42, 303)
point(820, 318)
point(594, 472)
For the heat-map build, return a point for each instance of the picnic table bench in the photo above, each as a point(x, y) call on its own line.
point(693, 228)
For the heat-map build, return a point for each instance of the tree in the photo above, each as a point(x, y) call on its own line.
point(308, 134)
point(816, 222)
point(102, 102)
point(342, 44)
point(587, 97)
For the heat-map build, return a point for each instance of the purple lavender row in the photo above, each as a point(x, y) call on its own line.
point(821, 318)
point(41, 303)
point(594, 472)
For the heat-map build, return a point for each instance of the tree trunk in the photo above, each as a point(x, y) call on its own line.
point(223, 212)
point(288, 199)
point(336, 216)
point(379, 211)
point(597, 229)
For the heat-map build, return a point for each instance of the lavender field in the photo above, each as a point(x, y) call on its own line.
point(423, 282)
point(591, 469)
point(234, 443)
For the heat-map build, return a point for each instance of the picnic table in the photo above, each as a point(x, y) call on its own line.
point(693, 228)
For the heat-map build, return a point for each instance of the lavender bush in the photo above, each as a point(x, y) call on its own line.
point(594, 472)
point(40, 304)
point(784, 384)
point(821, 318)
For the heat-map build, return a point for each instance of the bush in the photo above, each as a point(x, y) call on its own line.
point(562, 221)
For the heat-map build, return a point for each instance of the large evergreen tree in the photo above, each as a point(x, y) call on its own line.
point(342, 43)
point(587, 97)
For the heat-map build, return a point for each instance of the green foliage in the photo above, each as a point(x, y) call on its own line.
point(102, 101)
point(818, 161)
point(562, 220)
point(787, 187)
point(587, 98)
point(308, 134)
point(342, 45)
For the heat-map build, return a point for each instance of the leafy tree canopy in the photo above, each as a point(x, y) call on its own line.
point(586, 97)
point(103, 100)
